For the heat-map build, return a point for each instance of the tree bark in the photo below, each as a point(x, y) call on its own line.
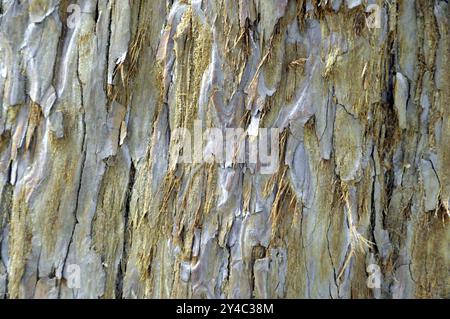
point(94, 202)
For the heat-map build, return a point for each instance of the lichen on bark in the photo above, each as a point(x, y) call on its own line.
point(89, 170)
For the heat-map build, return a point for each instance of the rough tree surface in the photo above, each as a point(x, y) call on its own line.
point(90, 184)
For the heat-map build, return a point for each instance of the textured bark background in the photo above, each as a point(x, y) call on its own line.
point(87, 108)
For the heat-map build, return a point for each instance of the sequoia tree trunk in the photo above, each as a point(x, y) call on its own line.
point(95, 202)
